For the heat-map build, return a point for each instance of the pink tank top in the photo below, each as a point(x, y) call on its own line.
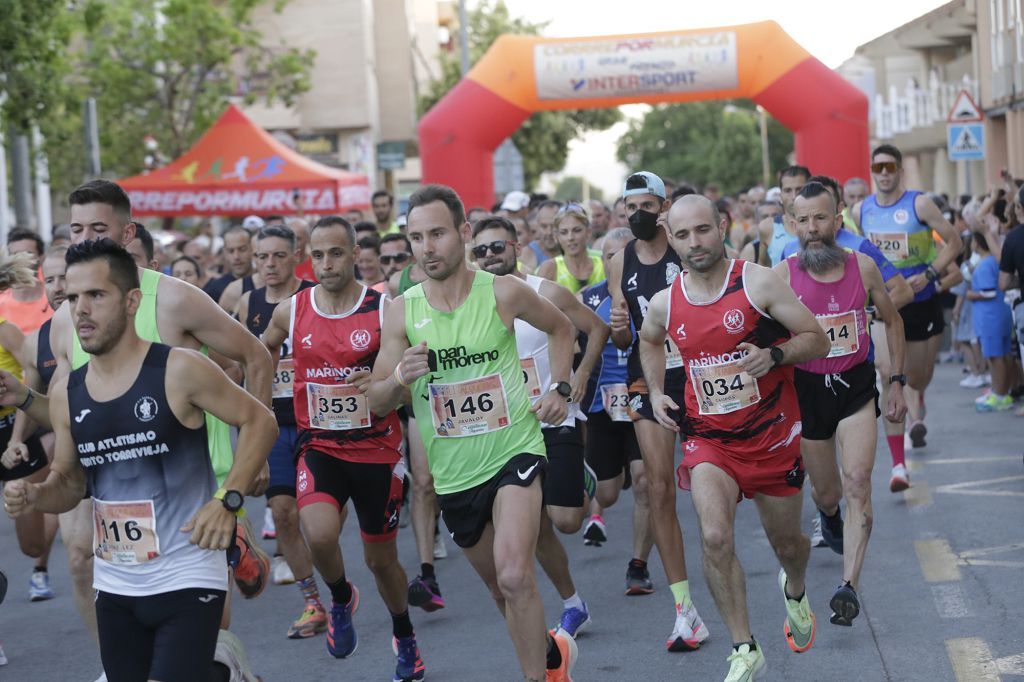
point(839, 308)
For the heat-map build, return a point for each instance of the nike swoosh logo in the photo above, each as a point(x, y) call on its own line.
point(523, 475)
point(422, 323)
point(208, 598)
point(80, 417)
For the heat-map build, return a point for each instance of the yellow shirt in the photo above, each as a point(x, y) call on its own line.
point(11, 364)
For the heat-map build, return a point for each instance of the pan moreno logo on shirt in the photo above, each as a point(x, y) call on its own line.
point(457, 357)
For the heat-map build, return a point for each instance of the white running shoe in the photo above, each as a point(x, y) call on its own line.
point(281, 572)
point(3, 656)
point(440, 550)
point(102, 677)
point(231, 653)
point(817, 539)
point(269, 529)
point(689, 630)
point(39, 586)
point(972, 381)
point(900, 479)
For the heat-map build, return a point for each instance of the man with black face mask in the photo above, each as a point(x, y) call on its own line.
point(643, 268)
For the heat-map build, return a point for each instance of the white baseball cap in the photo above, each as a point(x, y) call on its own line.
point(253, 222)
point(515, 201)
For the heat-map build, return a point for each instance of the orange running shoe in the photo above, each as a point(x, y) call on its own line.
point(253, 568)
point(567, 648)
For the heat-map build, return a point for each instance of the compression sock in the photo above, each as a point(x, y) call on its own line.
point(896, 448)
point(307, 586)
point(401, 626)
point(681, 592)
point(341, 591)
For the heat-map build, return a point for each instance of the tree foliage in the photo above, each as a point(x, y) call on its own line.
point(705, 142)
point(570, 188)
point(543, 140)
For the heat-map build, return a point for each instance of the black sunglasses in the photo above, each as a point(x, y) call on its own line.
point(497, 248)
point(398, 258)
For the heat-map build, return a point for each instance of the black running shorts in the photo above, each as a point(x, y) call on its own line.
point(169, 637)
point(640, 405)
point(611, 445)
point(923, 319)
point(563, 480)
point(467, 512)
point(827, 399)
point(36, 454)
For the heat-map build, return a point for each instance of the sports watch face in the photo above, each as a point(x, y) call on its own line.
point(233, 500)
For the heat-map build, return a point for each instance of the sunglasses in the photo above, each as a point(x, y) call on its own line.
point(397, 258)
point(885, 166)
point(497, 248)
point(572, 207)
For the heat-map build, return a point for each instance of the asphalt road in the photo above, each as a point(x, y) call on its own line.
point(941, 589)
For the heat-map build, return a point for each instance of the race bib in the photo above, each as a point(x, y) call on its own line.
point(468, 408)
point(616, 401)
point(124, 533)
point(336, 407)
point(895, 246)
point(530, 377)
point(284, 379)
point(842, 332)
point(673, 360)
point(721, 389)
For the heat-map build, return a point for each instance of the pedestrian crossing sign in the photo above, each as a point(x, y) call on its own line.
point(965, 141)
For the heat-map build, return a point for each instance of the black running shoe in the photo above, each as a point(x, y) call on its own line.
point(638, 578)
point(917, 433)
point(3, 587)
point(832, 530)
point(425, 593)
point(845, 605)
point(595, 534)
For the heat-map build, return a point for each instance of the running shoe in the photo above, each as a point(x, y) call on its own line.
point(410, 664)
point(595, 534)
point(39, 586)
point(589, 481)
point(816, 538)
point(900, 479)
point(567, 648)
point(341, 632)
point(845, 605)
point(832, 530)
point(917, 433)
point(745, 665)
point(440, 549)
point(638, 578)
point(3, 656)
point(425, 593)
point(689, 631)
point(231, 654)
point(269, 529)
point(800, 622)
point(994, 404)
point(3, 586)
point(312, 622)
point(984, 396)
point(281, 571)
point(253, 566)
point(973, 381)
point(574, 619)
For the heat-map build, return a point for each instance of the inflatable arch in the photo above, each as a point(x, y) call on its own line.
point(523, 74)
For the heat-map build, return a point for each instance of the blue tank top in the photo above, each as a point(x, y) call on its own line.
point(611, 367)
point(541, 256)
point(780, 238)
point(901, 236)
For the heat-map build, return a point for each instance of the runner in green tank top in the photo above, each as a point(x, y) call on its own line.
point(448, 349)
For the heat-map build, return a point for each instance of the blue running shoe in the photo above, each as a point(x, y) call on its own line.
point(574, 620)
point(410, 666)
point(832, 531)
point(341, 632)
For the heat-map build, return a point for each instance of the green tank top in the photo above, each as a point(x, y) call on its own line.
point(472, 409)
point(218, 433)
point(569, 281)
point(405, 280)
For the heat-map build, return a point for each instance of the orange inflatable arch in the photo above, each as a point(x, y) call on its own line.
point(520, 75)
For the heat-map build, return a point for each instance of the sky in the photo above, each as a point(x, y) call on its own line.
point(831, 31)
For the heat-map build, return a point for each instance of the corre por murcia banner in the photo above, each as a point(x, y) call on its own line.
point(244, 201)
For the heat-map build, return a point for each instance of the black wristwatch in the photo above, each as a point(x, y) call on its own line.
point(231, 499)
point(931, 274)
point(898, 378)
point(777, 356)
point(562, 388)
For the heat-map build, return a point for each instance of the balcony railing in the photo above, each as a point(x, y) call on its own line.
point(916, 106)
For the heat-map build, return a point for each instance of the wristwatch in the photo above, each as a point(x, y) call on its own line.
point(232, 501)
point(900, 378)
point(777, 356)
point(931, 274)
point(562, 388)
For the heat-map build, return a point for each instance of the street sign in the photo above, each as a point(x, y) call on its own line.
point(964, 110)
point(391, 155)
point(965, 141)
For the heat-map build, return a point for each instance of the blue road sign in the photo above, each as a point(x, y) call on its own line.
point(965, 141)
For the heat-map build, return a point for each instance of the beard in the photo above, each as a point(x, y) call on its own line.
point(821, 259)
point(499, 266)
point(711, 258)
point(100, 344)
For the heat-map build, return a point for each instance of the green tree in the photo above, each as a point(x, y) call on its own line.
point(571, 189)
point(544, 138)
point(170, 73)
point(705, 142)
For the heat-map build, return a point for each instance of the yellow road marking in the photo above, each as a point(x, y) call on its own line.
point(971, 660)
point(938, 562)
point(918, 494)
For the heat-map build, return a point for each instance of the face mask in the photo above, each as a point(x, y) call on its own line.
point(644, 225)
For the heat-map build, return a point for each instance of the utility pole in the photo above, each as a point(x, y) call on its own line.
point(765, 165)
point(21, 178)
point(463, 38)
point(44, 214)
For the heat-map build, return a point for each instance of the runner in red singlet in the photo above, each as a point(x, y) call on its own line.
point(731, 322)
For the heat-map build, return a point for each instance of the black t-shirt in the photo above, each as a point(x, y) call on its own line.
point(1012, 260)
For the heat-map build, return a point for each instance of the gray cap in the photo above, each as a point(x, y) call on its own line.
point(643, 182)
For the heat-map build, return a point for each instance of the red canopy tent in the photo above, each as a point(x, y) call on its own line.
point(237, 168)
